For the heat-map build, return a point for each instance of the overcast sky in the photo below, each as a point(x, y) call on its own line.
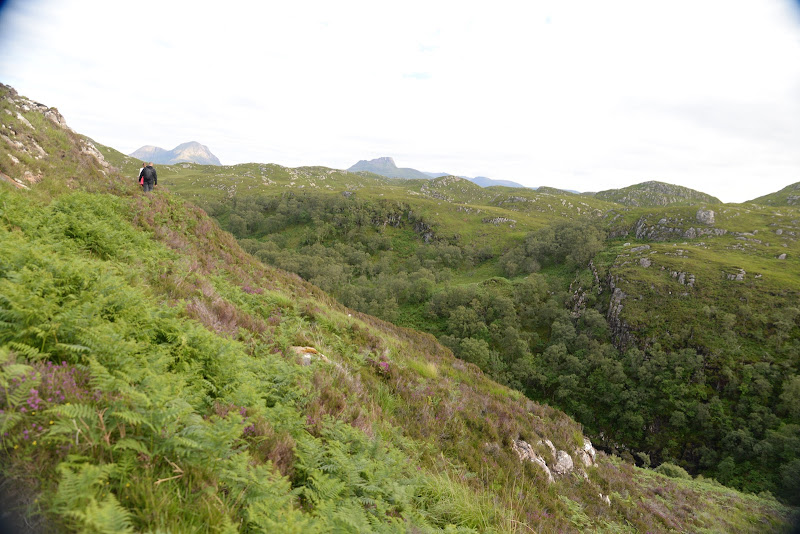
point(581, 95)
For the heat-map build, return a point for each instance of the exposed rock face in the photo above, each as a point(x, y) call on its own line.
point(705, 216)
point(620, 332)
point(587, 454)
point(526, 453)
point(645, 262)
point(19, 137)
point(564, 463)
point(670, 229)
point(782, 256)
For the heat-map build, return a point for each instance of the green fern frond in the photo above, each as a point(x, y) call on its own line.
point(75, 411)
point(72, 348)
point(31, 353)
point(131, 444)
point(129, 417)
point(108, 516)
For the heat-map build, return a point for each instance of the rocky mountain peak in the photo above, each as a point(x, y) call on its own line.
point(192, 152)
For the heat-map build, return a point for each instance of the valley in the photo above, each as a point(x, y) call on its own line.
point(256, 348)
point(663, 320)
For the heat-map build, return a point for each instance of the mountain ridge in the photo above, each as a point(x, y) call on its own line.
point(190, 152)
point(385, 166)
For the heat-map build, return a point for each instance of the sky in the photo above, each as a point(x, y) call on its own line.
point(574, 94)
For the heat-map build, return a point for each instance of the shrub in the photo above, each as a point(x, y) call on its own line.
point(673, 471)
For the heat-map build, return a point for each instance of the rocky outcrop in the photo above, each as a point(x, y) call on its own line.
point(527, 454)
point(736, 277)
point(563, 463)
point(586, 454)
point(498, 220)
point(683, 278)
point(705, 216)
point(621, 335)
point(18, 134)
point(424, 230)
point(667, 229)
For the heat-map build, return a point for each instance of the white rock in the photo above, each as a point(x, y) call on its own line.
point(705, 216)
point(564, 463)
point(526, 452)
point(587, 454)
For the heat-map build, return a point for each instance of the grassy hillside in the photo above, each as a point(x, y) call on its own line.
point(157, 378)
point(788, 196)
point(656, 194)
point(562, 296)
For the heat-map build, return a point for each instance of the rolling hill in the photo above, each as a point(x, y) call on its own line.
point(156, 377)
point(656, 194)
point(788, 196)
point(560, 295)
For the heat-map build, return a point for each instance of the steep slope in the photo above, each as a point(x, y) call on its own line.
point(157, 378)
point(500, 276)
point(656, 194)
point(191, 152)
point(788, 196)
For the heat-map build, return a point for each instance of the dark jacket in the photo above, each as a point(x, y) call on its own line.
point(150, 175)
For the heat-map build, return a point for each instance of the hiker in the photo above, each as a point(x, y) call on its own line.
point(141, 174)
point(149, 178)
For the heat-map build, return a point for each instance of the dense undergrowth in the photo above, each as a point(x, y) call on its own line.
point(156, 378)
point(711, 386)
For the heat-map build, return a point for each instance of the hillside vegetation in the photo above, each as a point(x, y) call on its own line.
point(656, 194)
point(666, 324)
point(157, 378)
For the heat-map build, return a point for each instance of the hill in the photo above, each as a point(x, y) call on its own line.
point(386, 167)
point(489, 182)
point(559, 295)
point(526, 283)
point(192, 152)
point(156, 377)
point(478, 180)
point(656, 194)
point(788, 196)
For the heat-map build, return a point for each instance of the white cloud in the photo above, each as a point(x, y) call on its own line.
point(576, 94)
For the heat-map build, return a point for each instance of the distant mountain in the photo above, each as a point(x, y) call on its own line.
point(489, 182)
point(656, 194)
point(192, 152)
point(386, 167)
point(788, 196)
